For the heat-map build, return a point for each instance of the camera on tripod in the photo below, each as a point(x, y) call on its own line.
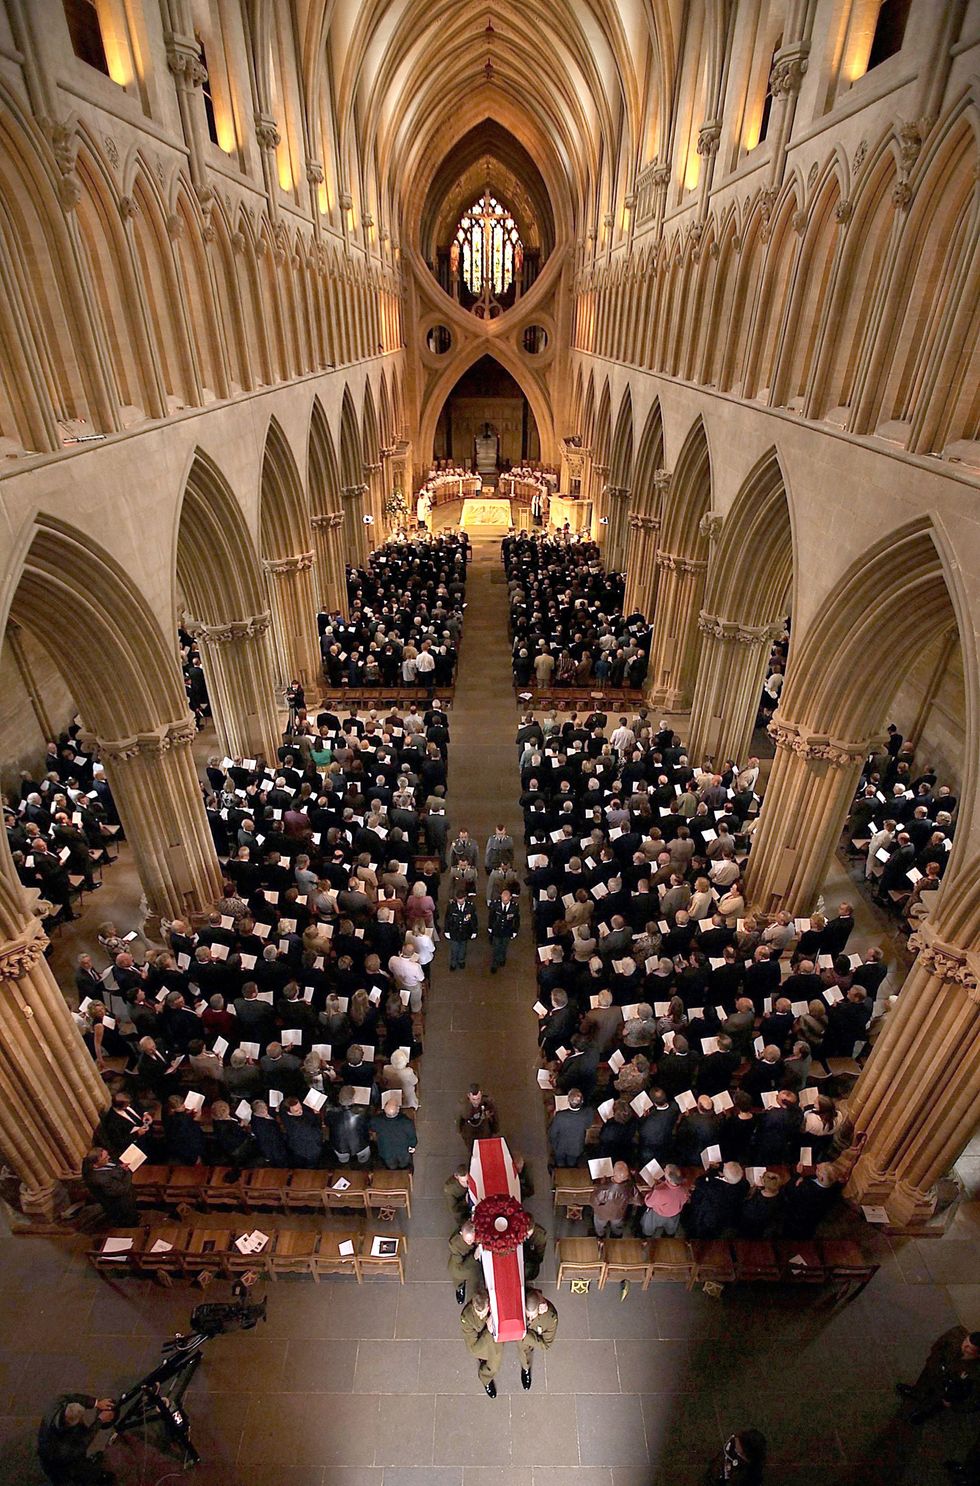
point(212, 1318)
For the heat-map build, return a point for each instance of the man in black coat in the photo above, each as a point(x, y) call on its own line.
point(111, 1184)
point(348, 1130)
point(716, 1202)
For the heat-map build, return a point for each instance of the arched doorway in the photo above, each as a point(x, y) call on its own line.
point(487, 422)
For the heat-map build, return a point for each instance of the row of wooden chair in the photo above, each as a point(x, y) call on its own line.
point(719, 1262)
point(190, 1250)
point(272, 1189)
point(385, 697)
point(579, 698)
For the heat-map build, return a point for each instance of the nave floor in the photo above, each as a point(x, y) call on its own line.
point(373, 1387)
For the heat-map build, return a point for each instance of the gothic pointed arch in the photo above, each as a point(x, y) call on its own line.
point(283, 519)
point(497, 350)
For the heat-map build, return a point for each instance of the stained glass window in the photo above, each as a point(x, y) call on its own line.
point(488, 239)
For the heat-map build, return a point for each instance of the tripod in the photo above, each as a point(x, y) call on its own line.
point(158, 1397)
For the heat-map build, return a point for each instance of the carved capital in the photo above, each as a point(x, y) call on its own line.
point(644, 523)
point(618, 492)
point(267, 133)
point(314, 172)
point(184, 61)
point(947, 962)
point(709, 136)
point(816, 747)
point(297, 564)
point(64, 143)
point(226, 634)
point(742, 634)
point(843, 212)
point(710, 525)
point(909, 134)
point(661, 481)
point(345, 201)
point(353, 492)
point(788, 72)
point(330, 521)
point(161, 740)
point(19, 956)
point(674, 564)
point(128, 208)
point(175, 226)
point(799, 223)
point(69, 192)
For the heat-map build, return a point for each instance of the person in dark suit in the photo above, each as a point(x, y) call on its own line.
point(111, 1184)
point(504, 925)
point(66, 1435)
point(303, 1133)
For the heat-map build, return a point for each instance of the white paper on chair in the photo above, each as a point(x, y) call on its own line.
point(340, 1185)
point(132, 1158)
point(600, 1167)
point(160, 1246)
point(346, 1248)
point(875, 1214)
point(383, 1247)
point(117, 1246)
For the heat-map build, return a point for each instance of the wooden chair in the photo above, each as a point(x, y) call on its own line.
point(293, 1251)
point(225, 1188)
point(149, 1183)
point(755, 1260)
point(238, 1263)
point(124, 1261)
point(573, 1186)
point(306, 1189)
point(329, 1260)
point(265, 1188)
point(801, 1263)
point(580, 1259)
point(207, 1249)
point(711, 1263)
point(625, 1259)
point(368, 1263)
point(670, 1259)
point(170, 1259)
point(353, 1196)
point(847, 1266)
point(388, 1189)
point(186, 1184)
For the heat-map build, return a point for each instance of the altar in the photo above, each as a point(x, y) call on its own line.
point(577, 512)
point(485, 511)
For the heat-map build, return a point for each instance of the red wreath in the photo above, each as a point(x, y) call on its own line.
point(505, 1241)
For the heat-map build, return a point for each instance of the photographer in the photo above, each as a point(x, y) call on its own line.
point(949, 1378)
point(65, 1435)
point(742, 1461)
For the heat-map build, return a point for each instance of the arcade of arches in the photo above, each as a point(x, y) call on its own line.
point(715, 264)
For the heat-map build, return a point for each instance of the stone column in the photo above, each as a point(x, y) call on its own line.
point(810, 790)
point(294, 609)
point(641, 564)
point(375, 490)
point(51, 1095)
point(598, 490)
point(356, 541)
point(617, 530)
point(673, 653)
point(240, 684)
point(731, 669)
point(155, 784)
point(330, 571)
point(918, 1099)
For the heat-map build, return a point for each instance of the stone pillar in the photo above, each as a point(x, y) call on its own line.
point(330, 571)
point(673, 652)
point(598, 490)
point(294, 609)
point(641, 564)
point(373, 473)
point(14, 635)
point(731, 669)
point(155, 785)
point(617, 530)
point(51, 1095)
point(240, 684)
point(356, 541)
point(918, 1099)
point(810, 790)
